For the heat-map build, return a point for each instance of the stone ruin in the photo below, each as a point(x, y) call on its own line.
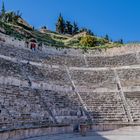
point(53, 90)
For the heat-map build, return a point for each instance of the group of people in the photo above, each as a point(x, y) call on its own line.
point(33, 45)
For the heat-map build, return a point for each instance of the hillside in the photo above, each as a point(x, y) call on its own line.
point(21, 30)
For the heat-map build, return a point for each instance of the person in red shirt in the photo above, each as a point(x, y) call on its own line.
point(33, 46)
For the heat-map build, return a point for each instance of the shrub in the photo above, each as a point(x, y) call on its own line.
point(88, 41)
point(101, 41)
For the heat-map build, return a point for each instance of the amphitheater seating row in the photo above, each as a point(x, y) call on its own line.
point(129, 77)
point(57, 76)
point(133, 100)
point(8, 68)
point(114, 61)
point(69, 60)
point(94, 79)
point(104, 107)
point(22, 54)
point(22, 107)
point(24, 104)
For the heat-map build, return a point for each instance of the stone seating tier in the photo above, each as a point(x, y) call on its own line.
point(70, 60)
point(23, 107)
point(27, 106)
point(94, 79)
point(114, 61)
point(129, 77)
point(56, 76)
point(105, 107)
point(133, 100)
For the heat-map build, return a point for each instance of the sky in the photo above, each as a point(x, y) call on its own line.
point(117, 18)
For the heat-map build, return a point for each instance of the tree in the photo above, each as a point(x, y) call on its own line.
point(75, 28)
point(60, 25)
point(10, 17)
point(3, 8)
point(44, 27)
point(68, 27)
point(106, 37)
point(120, 41)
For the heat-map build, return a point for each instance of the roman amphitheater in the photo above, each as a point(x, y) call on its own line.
point(63, 91)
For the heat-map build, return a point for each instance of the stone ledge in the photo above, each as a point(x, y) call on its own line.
point(23, 133)
point(109, 126)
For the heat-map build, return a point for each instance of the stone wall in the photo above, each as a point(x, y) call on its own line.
point(12, 41)
point(127, 49)
point(109, 127)
point(19, 134)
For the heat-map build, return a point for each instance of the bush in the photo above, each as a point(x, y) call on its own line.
point(88, 41)
point(101, 41)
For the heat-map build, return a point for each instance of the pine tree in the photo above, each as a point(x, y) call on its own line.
point(90, 32)
point(3, 8)
point(68, 27)
point(120, 41)
point(75, 28)
point(106, 37)
point(60, 25)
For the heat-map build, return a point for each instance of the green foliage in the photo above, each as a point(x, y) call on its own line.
point(101, 41)
point(120, 41)
point(44, 27)
point(106, 37)
point(3, 8)
point(94, 42)
point(10, 17)
point(60, 25)
point(58, 39)
point(73, 43)
point(75, 28)
point(9, 30)
point(68, 27)
point(89, 41)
